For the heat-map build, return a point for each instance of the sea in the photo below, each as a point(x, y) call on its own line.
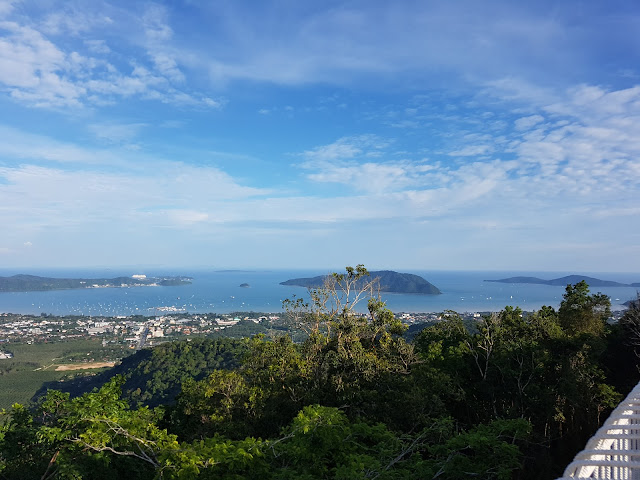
point(219, 291)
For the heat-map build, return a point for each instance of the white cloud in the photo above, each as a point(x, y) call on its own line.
point(416, 41)
point(37, 71)
point(72, 22)
point(343, 149)
point(471, 151)
point(519, 90)
point(186, 217)
point(154, 21)
point(6, 6)
point(18, 145)
point(168, 66)
point(594, 150)
point(348, 161)
point(97, 46)
point(177, 195)
point(326, 45)
point(53, 197)
point(525, 123)
point(581, 149)
point(418, 188)
point(28, 60)
point(116, 133)
point(370, 177)
point(519, 153)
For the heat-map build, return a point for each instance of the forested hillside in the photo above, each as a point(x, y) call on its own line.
point(515, 396)
point(155, 377)
point(388, 281)
point(33, 283)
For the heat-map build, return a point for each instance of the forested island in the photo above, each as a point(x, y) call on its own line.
point(508, 395)
point(389, 281)
point(564, 281)
point(34, 283)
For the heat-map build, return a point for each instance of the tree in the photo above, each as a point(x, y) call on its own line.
point(583, 313)
point(347, 359)
point(630, 323)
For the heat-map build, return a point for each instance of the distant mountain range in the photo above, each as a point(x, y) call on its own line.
point(564, 281)
point(389, 282)
point(33, 283)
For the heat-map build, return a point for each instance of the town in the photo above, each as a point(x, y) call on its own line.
point(138, 331)
point(134, 331)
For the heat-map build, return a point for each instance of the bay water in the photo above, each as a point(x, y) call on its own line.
point(220, 292)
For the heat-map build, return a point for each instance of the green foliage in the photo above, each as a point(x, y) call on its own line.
point(630, 323)
point(512, 396)
point(486, 451)
point(242, 329)
point(215, 458)
point(34, 365)
point(154, 376)
point(531, 366)
point(221, 404)
point(19, 386)
point(583, 313)
point(322, 443)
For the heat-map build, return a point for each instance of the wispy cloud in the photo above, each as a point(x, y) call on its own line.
point(590, 148)
point(362, 162)
point(345, 149)
point(412, 40)
point(158, 34)
point(519, 131)
point(471, 151)
point(116, 133)
point(31, 66)
point(6, 6)
point(54, 197)
point(525, 123)
point(37, 70)
point(21, 146)
point(578, 150)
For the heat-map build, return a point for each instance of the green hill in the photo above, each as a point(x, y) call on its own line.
point(34, 283)
point(390, 281)
point(154, 376)
point(563, 281)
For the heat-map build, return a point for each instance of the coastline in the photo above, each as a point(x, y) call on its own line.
point(220, 292)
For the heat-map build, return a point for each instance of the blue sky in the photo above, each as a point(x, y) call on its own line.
point(408, 135)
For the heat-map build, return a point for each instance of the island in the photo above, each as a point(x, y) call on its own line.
point(390, 281)
point(34, 283)
point(245, 285)
point(564, 281)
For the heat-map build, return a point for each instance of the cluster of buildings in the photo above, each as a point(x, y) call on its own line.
point(138, 331)
point(135, 330)
point(412, 318)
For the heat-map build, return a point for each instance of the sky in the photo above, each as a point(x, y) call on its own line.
point(423, 135)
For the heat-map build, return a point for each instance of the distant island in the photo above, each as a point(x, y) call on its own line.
point(245, 285)
point(33, 283)
point(390, 281)
point(564, 281)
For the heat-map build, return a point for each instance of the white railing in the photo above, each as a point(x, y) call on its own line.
point(614, 451)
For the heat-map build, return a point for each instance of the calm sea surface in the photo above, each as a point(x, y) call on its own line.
point(220, 292)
